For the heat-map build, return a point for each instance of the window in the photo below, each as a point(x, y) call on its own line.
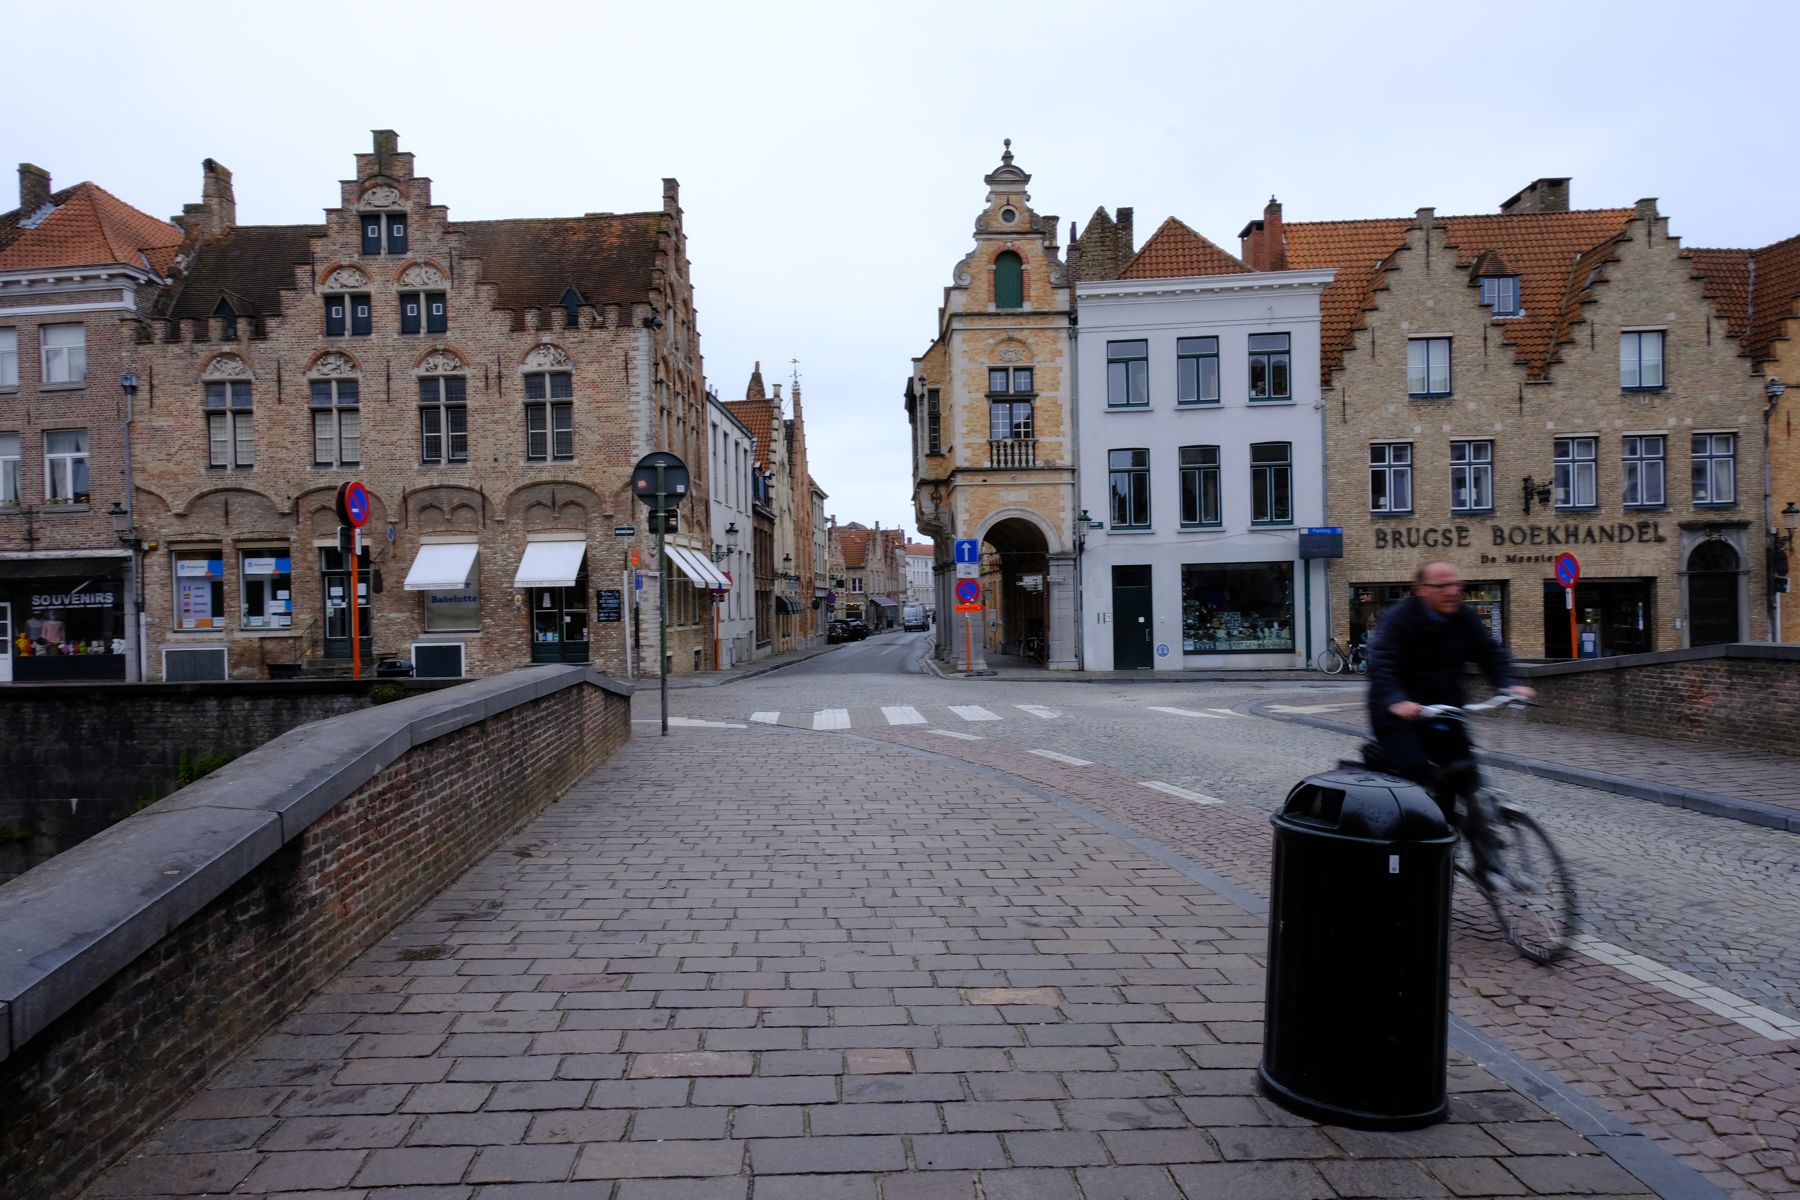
point(337, 422)
point(1715, 468)
point(1128, 374)
point(459, 609)
point(1237, 607)
point(1271, 483)
point(1390, 477)
point(9, 468)
point(1645, 471)
point(265, 586)
point(934, 423)
point(1130, 488)
point(1009, 420)
point(9, 358)
point(1428, 366)
point(1641, 360)
point(199, 589)
point(425, 306)
point(1197, 370)
point(347, 313)
point(230, 439)
point(227, 314)
point(375, 225)
point(1471, 477)
point(66, 466)
point(1200, 486)
point(65, 353)
point(549, 416)
point(444, 419)
point(856, 585)
point(1014, 381)
point(1501, 293)
point(571, 306)
point(1575, 473)
point(1009, 280)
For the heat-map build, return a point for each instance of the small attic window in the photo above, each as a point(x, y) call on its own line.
point(1501, 293)
point(225, 310)
point(571, 306)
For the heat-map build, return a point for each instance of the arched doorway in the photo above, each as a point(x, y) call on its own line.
point(1016, 569)
point(1713, 572)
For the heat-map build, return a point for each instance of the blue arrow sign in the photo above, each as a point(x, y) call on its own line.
point(968, 550)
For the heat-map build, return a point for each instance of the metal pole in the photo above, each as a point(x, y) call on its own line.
point(662, 597)
point(355, 606)
point(1306, 565)
point(1574, 645)
point(134, 642)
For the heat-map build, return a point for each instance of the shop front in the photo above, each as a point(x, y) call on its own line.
point(1237, 608)
point(63, 619)
point(553, 577)
point(443, 574)
point(1369, 600)
point(1612, 616)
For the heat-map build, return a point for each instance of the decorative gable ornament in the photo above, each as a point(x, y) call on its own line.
point(333, 362)
point(546, 357)
point(381, 196)
point(439, 362)
point(346, 277)
point(226, 366)
point(422, 275)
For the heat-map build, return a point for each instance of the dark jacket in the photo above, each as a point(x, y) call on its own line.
point(1417, 655)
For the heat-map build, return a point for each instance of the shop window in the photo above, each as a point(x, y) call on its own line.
point(549, 416)
point(66, 466)
point(559, 622)
point(65, 353)
point(423, 311)
point(1715, 468)
point(1641, 360)
point(1200, 490)
point(1390, 477)
point(1237, 608)
point(1009, 280)
point(453, 611)
point(199, 589)
point(1197, 370)
point(444, 419)
point(1644, 470)
point(73, 625)
point(9, 469)
point(1575, 485)
point(1270, 364)
point(1472, 477)
point(1128, 374)
point(230, 438)
point(337, 422)
point(265, 588)
point(348, 314)
point(9, 358)
point(1501, 293)
point(1130, 488)
point(1428, 366)
point(1368, 601)
point(1271, 483)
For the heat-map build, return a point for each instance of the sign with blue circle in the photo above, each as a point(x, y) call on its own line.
point(1162, 649)
point(353, 504)
point(968, 590)
point(1568, 570)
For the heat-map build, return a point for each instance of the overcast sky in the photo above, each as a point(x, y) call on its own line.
point(831, 155)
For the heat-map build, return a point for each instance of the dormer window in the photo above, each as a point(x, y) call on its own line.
point(383, 233)
point(1501, 293)
point(571, 306)
point(228, 314)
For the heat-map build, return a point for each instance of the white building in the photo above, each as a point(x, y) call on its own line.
point(919, 587)
point(733, 457)
point(1200, 449)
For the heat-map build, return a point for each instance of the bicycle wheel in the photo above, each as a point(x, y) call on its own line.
point(1331, 660)
point(1538, 911)
point(1359, 662)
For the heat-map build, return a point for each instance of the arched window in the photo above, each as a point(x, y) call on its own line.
point(1009, 280)
point(571, 306)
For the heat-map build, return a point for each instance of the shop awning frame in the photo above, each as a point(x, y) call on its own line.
point(697, 568)
point(550, 564)
point(442, 567)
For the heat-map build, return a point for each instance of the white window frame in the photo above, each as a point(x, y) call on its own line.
point(1392, 464)
point(1716, 495)
point(9, 470)
point(334, 414)
point(1495, 289)
point(1632, 450)
point(59, 466)
point(9, 358)
point(67, 364)
point(1472, 467)
point(1631, 373)
point(237, 421)
point(1576, 472)
point(549, 406)
point(442, 406)
point(1428, 365)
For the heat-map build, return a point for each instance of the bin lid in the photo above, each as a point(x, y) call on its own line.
point(1354, 802)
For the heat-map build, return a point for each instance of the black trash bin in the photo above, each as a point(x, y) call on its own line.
point(1354, 1021)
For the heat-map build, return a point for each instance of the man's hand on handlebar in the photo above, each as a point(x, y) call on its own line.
point(1406, 710)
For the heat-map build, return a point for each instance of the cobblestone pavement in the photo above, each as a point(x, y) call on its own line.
point(769, 964)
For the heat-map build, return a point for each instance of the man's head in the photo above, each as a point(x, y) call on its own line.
point(1439, 586)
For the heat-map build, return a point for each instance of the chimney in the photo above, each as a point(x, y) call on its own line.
point(218, 205)
point(1540, 196)
point(34, 189)
point(387, 147)
point(1250, 243)
point(1127, 244)
point(1274, 240)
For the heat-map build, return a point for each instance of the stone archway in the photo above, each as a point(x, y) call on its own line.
point(1016, 568)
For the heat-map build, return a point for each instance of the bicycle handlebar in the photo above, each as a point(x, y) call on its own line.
point(1459, 711)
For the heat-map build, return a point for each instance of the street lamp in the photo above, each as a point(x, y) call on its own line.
point(721, 553)
point(1535, 489)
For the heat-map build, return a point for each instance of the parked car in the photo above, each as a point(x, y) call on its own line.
point(858, 629)
point(837, 631)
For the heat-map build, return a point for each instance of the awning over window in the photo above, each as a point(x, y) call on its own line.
point(697, 568)
point(785, 605)
point(442, 567)
point(550, 564)
point(884, 601)
point(62, 568)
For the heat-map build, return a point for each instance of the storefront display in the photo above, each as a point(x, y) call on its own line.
point(68, 629)
point(199, 589)
point(1237, 608)
point(267, 588)
point(1369, 600)
point(559, 622)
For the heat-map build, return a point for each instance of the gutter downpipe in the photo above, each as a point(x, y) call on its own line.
point(1080, 580)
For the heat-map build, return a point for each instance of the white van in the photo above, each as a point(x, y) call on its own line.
point(913, 618)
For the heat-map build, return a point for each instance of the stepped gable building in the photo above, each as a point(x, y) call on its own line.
point(1503, 388)
point(989, 404)
point(1759, 293)
point(78, 268)
point(491, 382)
point(780, 612)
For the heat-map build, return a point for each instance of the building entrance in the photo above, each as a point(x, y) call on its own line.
point(1612, 616)
point(1713, 570)
point(334, 573)
point(1133, 632)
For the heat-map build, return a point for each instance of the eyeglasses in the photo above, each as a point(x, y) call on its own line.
point(1452, 586)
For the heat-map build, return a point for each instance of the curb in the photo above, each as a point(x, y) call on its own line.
point(1712, 804)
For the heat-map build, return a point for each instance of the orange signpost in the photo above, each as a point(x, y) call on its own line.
point(353, 510)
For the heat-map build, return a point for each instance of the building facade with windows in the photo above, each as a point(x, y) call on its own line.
point(1501, 389)
point(919, 556)
point(732, 469)
point(491, 382)
point(1202, 457)
point(78, 269)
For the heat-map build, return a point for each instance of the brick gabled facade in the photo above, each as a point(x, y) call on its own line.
point(491, 382)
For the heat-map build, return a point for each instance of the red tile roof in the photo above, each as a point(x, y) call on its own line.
point(758, 416)
point(1755, 312)
point(1176, 251)
point(924, 549)
point(853, 544)
point(88, 227)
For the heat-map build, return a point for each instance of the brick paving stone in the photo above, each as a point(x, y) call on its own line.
point(1252, 1181)
point(1057, 1149)
point(1475, 1177)
point(798, 1156)
point(607, 1125)
point(756, 1121)
point(308, 1169)
point(209, 1136)
point(1381, 1178)
point(1145, 1146)
point(656, 1160)
point(833, 1119)
point(1565, 1174)
point(433, 1164)
point(981, 1116)
point(1128, 1183)
point(471, 1129)
point(338, 1133)
point(936, 1185)
point(1029, 1184)
point(818, 1187)
point(679, 1124)
point(522, 1164)
point(957, 1151)
point(678, 1189)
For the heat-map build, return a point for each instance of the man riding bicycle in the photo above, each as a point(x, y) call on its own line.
point(1416, 658)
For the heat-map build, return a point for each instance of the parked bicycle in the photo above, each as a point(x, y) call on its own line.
point(1334, 658)
point(1503, 851)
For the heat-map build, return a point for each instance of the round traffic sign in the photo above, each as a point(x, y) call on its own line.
point(353, 504)
point(674, 479)
point(1568, 570)
point(968, 590)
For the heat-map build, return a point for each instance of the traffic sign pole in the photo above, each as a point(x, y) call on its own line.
point(662, 595)
point(355, 608)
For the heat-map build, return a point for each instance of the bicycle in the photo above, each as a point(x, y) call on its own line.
point(1334, 658)
point(1525, 880)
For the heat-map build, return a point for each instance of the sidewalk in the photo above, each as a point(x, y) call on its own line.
point(938, 985)
point(743, 670)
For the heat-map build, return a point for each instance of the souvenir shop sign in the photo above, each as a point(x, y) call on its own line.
point(81, 599)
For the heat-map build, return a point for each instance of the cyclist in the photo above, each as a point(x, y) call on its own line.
point(1416, 657)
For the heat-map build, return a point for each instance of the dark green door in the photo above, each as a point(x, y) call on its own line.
point(1133, 648)
point(334, 570)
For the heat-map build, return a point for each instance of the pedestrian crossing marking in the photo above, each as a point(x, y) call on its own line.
point(1066, 759)
point(1186, 712)
point(902, 714)
point(831, 718)
point(1169, 789)
point(690, 723)
point(973, 712)
point(1037, 710)
point(966, 737)
point(765, 718)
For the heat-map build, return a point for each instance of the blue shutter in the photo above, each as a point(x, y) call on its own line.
point(396, 235)
point(360, 322)
point(371, 234)
point(409, 312)
point(437, 318)
point(334, 316)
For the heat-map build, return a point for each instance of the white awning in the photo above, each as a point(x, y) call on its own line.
point(550, 564)
point(442, 567)
point(696, 567)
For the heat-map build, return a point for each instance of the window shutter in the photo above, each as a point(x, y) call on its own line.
point(1009, 281)
point(371, 235)
point(396, 235)
point(360, 323)
point(334, 316)
point(437, 319)
point(409, 312)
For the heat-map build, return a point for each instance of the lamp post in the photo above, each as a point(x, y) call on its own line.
point(720, 554)
point(1781, 547)
point(127, 534)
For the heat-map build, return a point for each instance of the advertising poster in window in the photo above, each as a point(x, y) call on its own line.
point(199, 588)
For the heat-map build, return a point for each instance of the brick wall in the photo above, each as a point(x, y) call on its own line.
point(1742, 696)
point(82, 1088)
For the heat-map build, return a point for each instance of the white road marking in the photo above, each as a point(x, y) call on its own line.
point(967, 737)
point(902, 714)
point(765, 718)
point(1037, 710)
point(1754, 1017)
point(831, 718)
point(1224, 712)
point(973, 712)
point(696, 723)
point(1170, 789)
point(1053, 756)
point(1186, 712)
point(1309, 708)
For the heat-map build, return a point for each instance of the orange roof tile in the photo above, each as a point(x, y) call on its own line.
point(758, 417)
point(1758, 291)
point(853, 544)
point(1176, 251)
point(89, 227)
point(921, 548)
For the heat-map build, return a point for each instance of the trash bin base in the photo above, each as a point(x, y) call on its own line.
point(1350, 1118)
